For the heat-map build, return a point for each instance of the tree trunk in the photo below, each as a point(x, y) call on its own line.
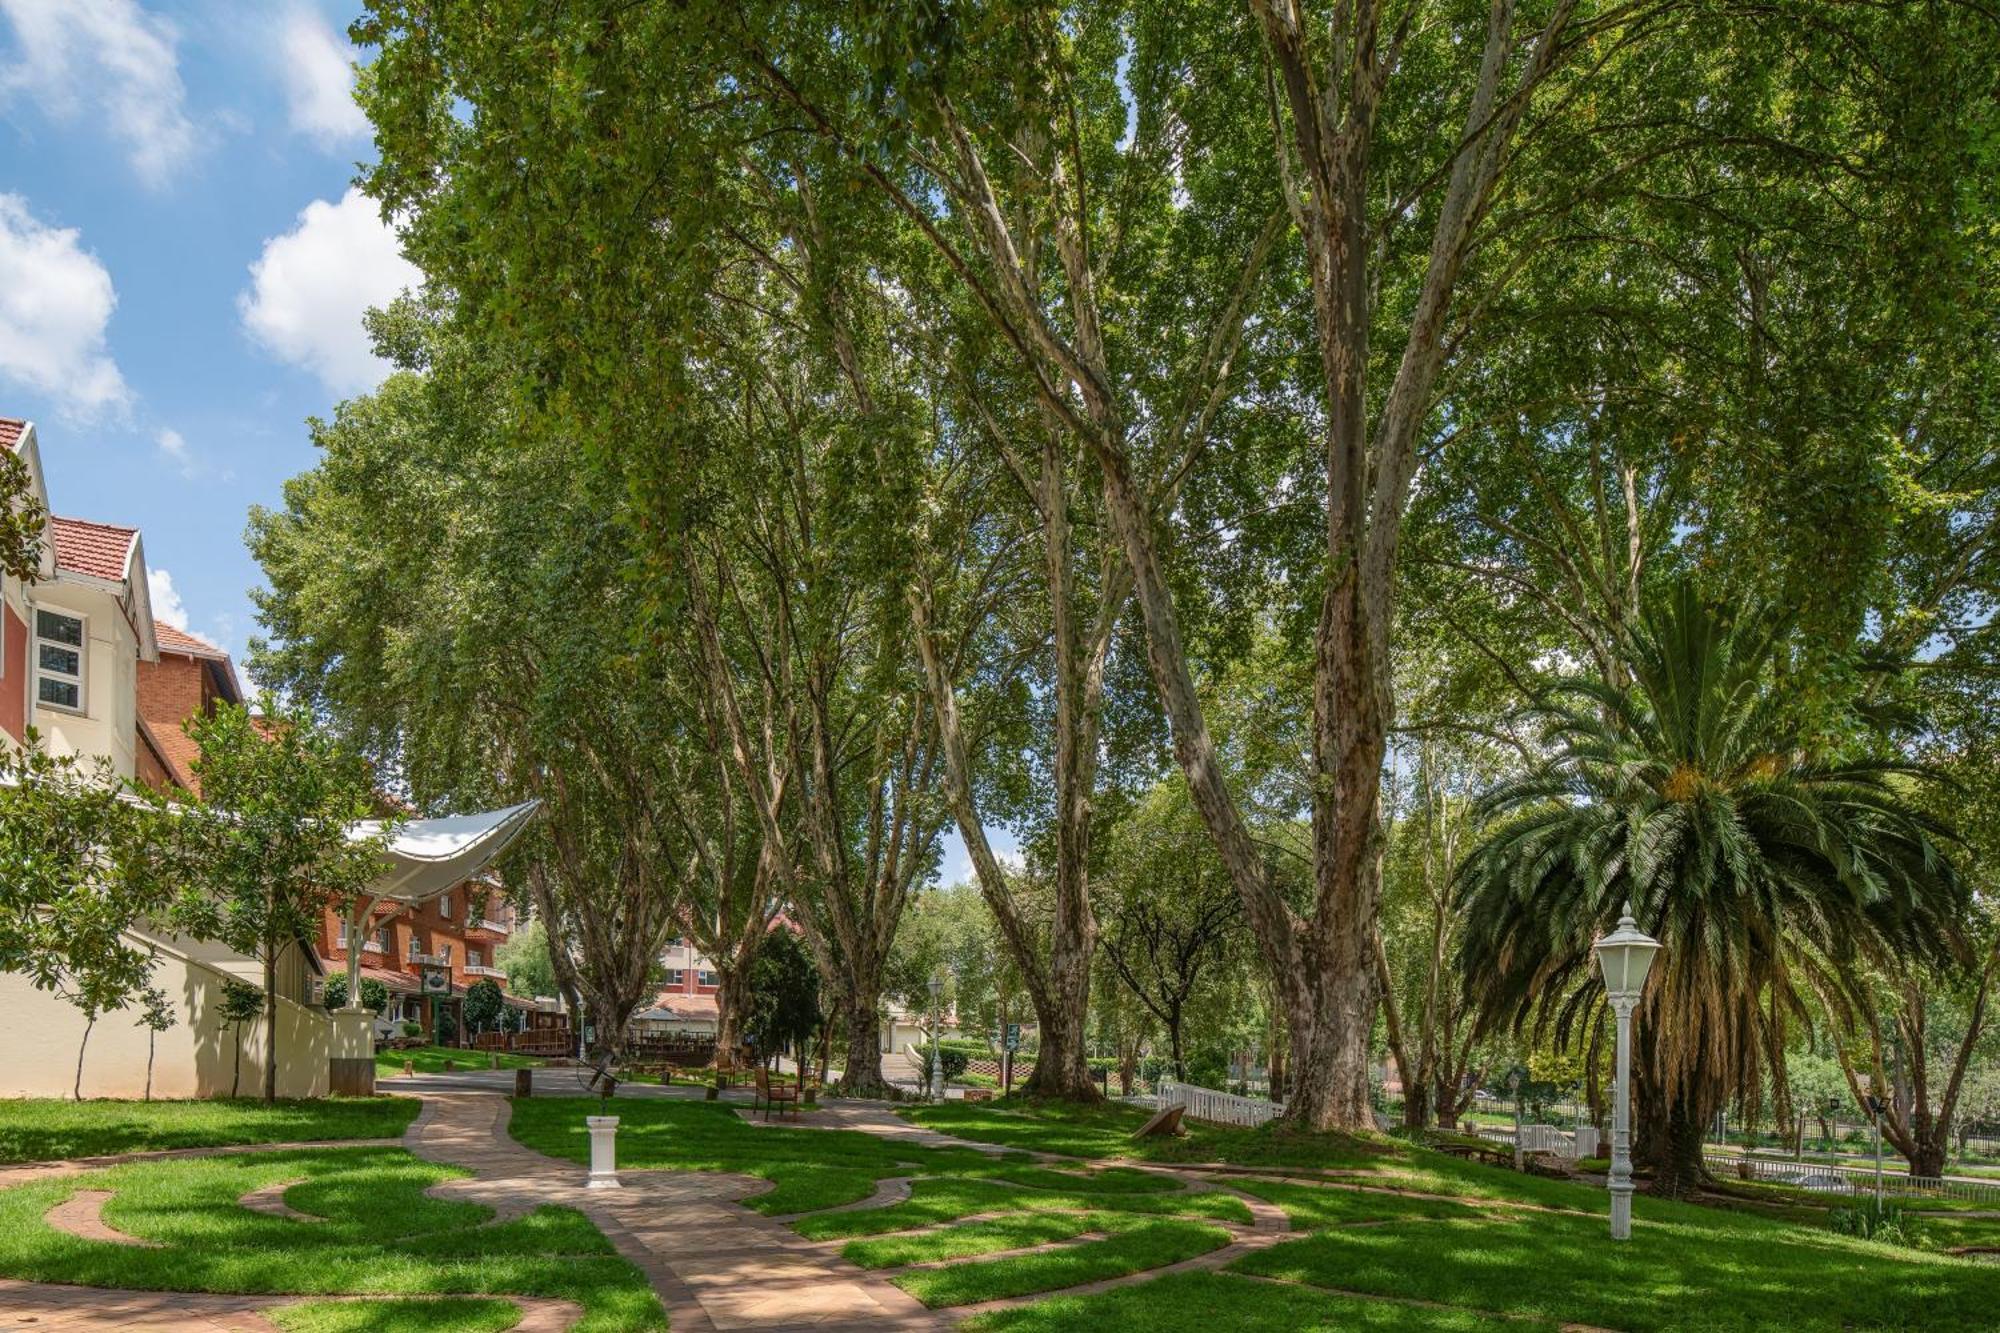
point(1330, 999)
point(236, 1079)
point(728, 1009)
point(270, 1022)
point(1175, 1044)
point(1061, 1067)
point(862, 1076)
point(1927, 1162)
point(1668, 1141)
point(608, 1015)
point(151, 1040)
point(76, 1092)
point(1416, 1103)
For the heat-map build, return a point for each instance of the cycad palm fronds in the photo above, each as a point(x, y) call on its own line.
point(1766, 871)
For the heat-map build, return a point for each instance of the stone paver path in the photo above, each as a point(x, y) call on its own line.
point(717, 1266)
point(82, 1215)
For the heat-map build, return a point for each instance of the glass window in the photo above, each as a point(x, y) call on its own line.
point(706, 978)
point(444, 906)
point(59, 642)
point(416, 947)
point(472, 957)
point(676, 976)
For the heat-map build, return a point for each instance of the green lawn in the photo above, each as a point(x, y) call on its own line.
point(815, 1169)
point(377, 1234)
point(1133, 1246)
point(44, 1129)
point(430, 1060)
point(425, 1315)
point(1214, 1302)
point(1685, 1268)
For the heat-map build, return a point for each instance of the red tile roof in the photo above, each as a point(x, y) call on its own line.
point(97, 549)
point(180, 641)
point(11, 431)
point(687, 1006)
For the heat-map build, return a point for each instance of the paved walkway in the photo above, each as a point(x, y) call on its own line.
point(717, 1267)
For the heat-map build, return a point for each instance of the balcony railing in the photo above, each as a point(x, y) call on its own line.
point(497, 927)
point(474, 970)
point(431, 959)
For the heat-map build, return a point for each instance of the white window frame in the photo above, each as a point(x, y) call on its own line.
point(707, 976)
point(473, 958)
point(416, 947)
point(444, 907)
point(82, 678)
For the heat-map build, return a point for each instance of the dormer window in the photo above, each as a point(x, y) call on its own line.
point(59, 657)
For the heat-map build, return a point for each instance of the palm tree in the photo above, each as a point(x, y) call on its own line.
point(1770, 871)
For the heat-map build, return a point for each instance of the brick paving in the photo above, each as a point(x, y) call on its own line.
point(716, 1266)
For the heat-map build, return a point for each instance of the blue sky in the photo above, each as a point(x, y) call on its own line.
point(182, 267)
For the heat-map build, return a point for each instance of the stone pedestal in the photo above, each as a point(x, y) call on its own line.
point(351, 1057)
point(603, 1152)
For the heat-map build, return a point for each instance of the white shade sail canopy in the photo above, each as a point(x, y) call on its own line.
point(427, 858)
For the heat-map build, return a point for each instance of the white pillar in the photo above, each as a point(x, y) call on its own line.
point(603, 1152)
point(1620, 1182)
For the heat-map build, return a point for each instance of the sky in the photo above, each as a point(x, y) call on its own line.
point(184, 264)
point(183, 267)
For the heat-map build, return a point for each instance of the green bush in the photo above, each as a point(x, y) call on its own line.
point(1871, 1219)
point(955, 1060)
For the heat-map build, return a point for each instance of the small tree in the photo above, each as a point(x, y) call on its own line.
point(241, 1002)
point(783, 1008)
point(156, 1015)
point(78, 868)
point(284, 796)
point(483, 1006)
point(374, 995)
point(525, 959)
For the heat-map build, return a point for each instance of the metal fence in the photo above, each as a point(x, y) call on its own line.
point(1822, 1178)
point(1219, 1108)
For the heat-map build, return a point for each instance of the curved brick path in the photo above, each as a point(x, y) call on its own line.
point(716, 1266)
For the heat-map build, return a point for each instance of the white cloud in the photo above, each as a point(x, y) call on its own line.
point(109, 58)
point(309, 288)
point(55, 301)
point(317, 66)
point(167, 607)
point(175, 446)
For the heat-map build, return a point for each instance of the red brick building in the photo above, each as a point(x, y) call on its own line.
point(453, 939)
point(192, 676)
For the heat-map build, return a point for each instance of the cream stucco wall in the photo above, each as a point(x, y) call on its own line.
point(40, 1035)
point(108, 726)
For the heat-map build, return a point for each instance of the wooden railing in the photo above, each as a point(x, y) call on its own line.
point(1218, 1108)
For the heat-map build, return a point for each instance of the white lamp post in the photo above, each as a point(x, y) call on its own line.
point(937, 1036)
point(1624, 956)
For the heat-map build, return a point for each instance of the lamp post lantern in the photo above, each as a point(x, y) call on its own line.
point(937, 1036)
point(1624, 956)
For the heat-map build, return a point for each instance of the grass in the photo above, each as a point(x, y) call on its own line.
point(1685, 1268)
point(946, 1200)
point(1210, 1302)
point(815, 1169)
point(45, 1129)
point(473, 1315)
point(1014, 1232)
point(430, 1060)
point(1136, 1246)
point(1310, 1207)
point(378, 1234)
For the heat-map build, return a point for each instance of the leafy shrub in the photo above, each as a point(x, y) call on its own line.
point(955, 1060)
point(1873, 1220)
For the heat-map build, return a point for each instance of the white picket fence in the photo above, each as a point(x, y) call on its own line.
point(1220, 1108)
point(1547, 1139)
point(1821, 1178)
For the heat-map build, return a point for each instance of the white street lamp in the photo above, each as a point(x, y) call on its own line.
point(1624, 956)
point(937, 1036)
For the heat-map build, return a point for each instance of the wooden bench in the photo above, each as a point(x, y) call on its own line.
point(771, 1095)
